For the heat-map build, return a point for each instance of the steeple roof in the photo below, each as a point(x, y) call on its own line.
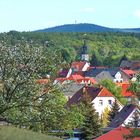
point(85, 48)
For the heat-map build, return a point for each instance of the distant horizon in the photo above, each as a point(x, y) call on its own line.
point(69, 24)
point(30, 15)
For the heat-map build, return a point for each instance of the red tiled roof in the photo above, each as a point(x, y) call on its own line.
point(125, 86)
point(125, 91)
point(78, 79)
point(105, 93)
point(116, 134)
point(88, 80)
point(93, 92)
point(78, 65)
point(79, 73)
point(129, 72)
point(75, 77)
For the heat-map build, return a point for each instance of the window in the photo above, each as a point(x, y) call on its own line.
point(110, 102)
point(100, 102)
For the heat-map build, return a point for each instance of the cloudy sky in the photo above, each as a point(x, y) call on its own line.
point(28, 15)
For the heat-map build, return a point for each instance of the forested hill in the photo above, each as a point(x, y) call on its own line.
point(104, 48)
point(85, 27)
point(78, 28)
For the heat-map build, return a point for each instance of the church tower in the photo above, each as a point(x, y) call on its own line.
point(84, 54)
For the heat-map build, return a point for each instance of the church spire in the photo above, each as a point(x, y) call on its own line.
point(84, 55)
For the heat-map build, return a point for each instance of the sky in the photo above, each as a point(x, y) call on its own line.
point(29, 15)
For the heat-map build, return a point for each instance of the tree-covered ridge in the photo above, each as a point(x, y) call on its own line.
point(87, 27)
point(108, 48)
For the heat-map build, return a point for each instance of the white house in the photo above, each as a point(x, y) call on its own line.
point(129, 115)
point(100, 97)
point(103, 100)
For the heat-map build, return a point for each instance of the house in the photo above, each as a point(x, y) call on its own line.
point(80, 66)
point(113, 74)
point(100, 97)
point(94, 71)
point(130, 74)
point(77, 79)
point(117, 134)
point(125, 64)
point(133, 65)
point(126, 117)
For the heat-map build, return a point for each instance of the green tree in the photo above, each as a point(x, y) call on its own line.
point(95, 60)
point(133, 127)
point(114, 111)
point(20, 67)
point(123, 58)
point(135, 89)
point(116, 91)
point(104, 117)
point(91, 126)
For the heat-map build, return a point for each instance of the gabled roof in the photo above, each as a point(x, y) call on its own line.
point(75, 77)
point(93, 72)
point(71, 88)
point(103, 75)
point(78, 65)
point(130, 73)
point(130, 64)
point(117, 134)
point(125, 64)
point(105, 93)
point(93, 92)
point(78, 79)
point(122, 115)
point(135, 64)
point(87, 80)
point(78, 96)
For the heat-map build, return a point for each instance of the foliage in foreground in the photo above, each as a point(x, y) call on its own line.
point(91, 125)
point(12, 133)
point(113, 112)
point(23, 102)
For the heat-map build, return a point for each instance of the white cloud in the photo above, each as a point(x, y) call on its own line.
point(88, 10)
point(137, 13)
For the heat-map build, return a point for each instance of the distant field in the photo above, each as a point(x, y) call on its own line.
point(12, 133)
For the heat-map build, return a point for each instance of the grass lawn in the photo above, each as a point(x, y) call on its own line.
point(12, 133)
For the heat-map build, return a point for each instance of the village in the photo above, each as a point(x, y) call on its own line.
point(82, 78)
